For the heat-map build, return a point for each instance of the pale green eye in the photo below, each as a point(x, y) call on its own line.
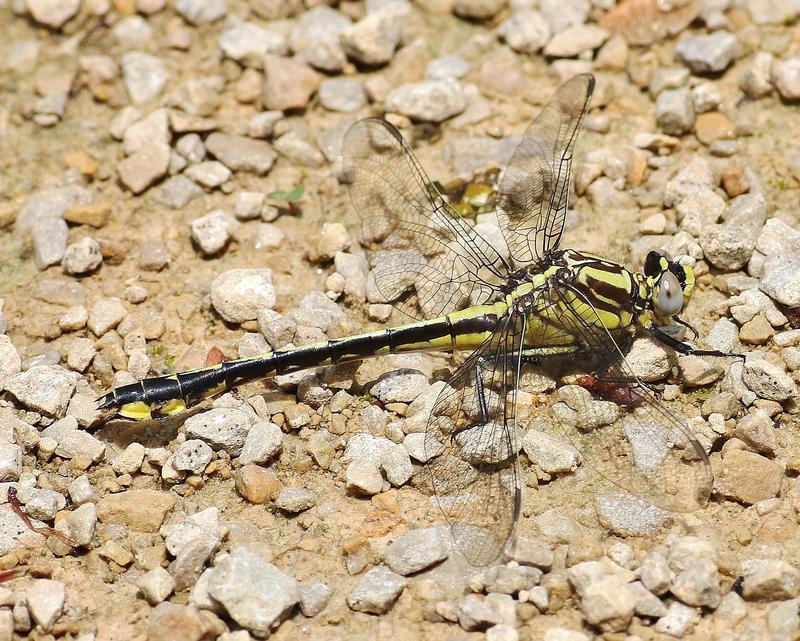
point(670, 295)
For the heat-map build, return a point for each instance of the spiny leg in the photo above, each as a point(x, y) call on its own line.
point(682, 348)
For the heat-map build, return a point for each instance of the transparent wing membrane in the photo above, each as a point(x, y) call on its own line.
point(425, 258)
point(471, 437)
point(534, 193)
point(640, 446)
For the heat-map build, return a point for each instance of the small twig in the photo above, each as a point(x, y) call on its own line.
point(44, 530)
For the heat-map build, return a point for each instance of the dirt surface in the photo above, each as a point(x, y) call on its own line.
point(346, 532)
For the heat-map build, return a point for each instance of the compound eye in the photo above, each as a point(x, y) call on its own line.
point(670, 295)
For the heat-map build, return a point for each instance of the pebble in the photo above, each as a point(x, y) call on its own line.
point(342, 94)
point(355, 270)
point(675, 111)
point(141, 510)
point(45, 600)
point(193, 455)
point(476, 613)
point(608, 603)
point(758, 432)
point(10, 461)
point(295, 499)
point(780, 279)
point(678, 621)
point(502, 632)
point(222, 427)
point(177, 192)
point(239, 294)
point(698, 584)
point(288, 84)
point(80, 490)
point(373, 39)
point(786, 76)
point(449, 66)
point(396, 464)
point(80, 353)
point(400, 387)
point(755, 80)
point(129, 460)
point(256, 484)
point(80, 524)
point(143, 75)
point(49, 238)
point(728, 246)
point(332, 239)
point(143, 168)
point(105, 315)
point(629, 515)
point(198, 12)
point(255, 593)
point(748, 477)
point(264, 441)
point(156, 585)
point(53, 13)
point(710, 53)
point(655, 573)
point(768, 380)
point(525, 31)
point(248, 42)
point(297, 147)
point(769, 580)
point(415, 551)
point(210, 173)
point(44, 504)
point(314, 598)
point(697, 371)
point(364, 477)
point(377, 591)
point(152, 129)
point(315, 38)
point(550, 454)
point(648, 360)
point(560, 14)
point(576, 39)
point(43, 388)
point(239, 153)
point(213, 231)
point(429, 100)
point(82, 257)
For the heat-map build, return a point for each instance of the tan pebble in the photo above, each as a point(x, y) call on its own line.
point(733, 180)
point(256, 484)
point(756, 331)
point(96, 214)
point(713, 126)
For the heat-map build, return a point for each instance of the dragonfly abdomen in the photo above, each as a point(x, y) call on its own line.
point(171, 394)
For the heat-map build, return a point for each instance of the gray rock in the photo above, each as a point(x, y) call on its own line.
point(699, 210)
point(80, 490)
point(609, 604)
point(758, 432)
point(768, 380)
point(697, 371)
point(154, 128)
point(255, 593)
point(53, 13)
point(476, 613)
point(675, 111)
point(354, 269)
point(239, 294)
point(698, 584)
point(213, 231)
point(695, 177)
point(80, 353)
point(80, 524)
point(525, 31)
point(43, 388)
point(82, 257)
point(45, 601)
point(773, 11)
point(629, 515)
point(377, 591)
point(655, 573)
point(199, 12)
point(511, 579)
point(756, 80)
point(129, 460)
point(561, 14)
point(248, 205)
point(415, 551)
point(248, 42)
point(156, 585)
point(550, 454)
point(143, 75)
point(708, 53)
point(133, 32)
point(315, 38)
point(73, 442)
point(193, 455)
point(396, 464)
point(191, 147)
point(431, 100)
point(10, 461)
point(49, 238)
point(342, 94)
point(780, 279)
point(400, 387)
point(264, 441)
point(786, 76)
point(727, 247)
point(105, 315)
point(373, 39)
point(449, 66)
point(295, 499)
point(299, 148)
point(210, 173)
point(143, 168)
point(240, 153)
point(648, 360)
point(223, 428)
point(678, 620)
point(44, 504)
point(531, 552)
point(314, 598)
point(364, 477)
point(177, 192)
point(769, 580)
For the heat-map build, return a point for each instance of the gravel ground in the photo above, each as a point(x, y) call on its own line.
point(170, 184)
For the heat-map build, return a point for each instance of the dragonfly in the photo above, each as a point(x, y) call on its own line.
point(529, 305)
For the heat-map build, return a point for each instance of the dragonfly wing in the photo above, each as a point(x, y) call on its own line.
point(427, 260)
point(472, 446)
point(649, 451)
point(534, 193)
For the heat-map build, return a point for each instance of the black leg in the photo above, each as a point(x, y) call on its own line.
point(683, 348)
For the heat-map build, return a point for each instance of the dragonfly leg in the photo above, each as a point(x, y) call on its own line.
point(484, 406)
point(683, 348)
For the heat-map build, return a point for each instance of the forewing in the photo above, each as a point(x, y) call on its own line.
point(472, 446)
point(534, 193)
point(425, 258)
point(648, 451)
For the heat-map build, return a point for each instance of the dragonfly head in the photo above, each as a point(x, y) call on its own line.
point(671, 283)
